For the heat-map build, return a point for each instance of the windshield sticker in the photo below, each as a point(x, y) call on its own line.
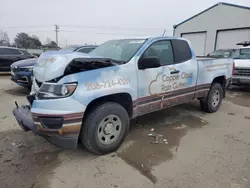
point(107, 84)
point(136, 41)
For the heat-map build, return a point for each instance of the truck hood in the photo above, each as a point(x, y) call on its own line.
point(53, 65)
point(25, 62)
point(243, 63)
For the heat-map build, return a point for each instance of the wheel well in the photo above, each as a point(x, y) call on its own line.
point(221, 80)
point(124, 99)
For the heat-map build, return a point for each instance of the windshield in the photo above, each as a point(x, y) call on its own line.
point(221, 54)
point(242, 54)
point(71, 48)
point(120, 50)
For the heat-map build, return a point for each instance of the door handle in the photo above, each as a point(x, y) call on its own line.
point(175, 72)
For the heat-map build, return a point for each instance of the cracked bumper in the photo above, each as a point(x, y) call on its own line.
point(60, 129)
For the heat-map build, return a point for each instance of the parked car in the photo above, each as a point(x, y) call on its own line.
point(222, 53)
point(10, 55)
point(78, 48)
point(90, 98)
point(242, 66)
point(22, 71)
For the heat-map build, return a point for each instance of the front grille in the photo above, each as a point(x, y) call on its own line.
point(242, 71)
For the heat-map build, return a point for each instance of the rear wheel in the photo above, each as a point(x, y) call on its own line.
point(105, 128)
point(213, 100)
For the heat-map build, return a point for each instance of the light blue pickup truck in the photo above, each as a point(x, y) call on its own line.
point(90, 98)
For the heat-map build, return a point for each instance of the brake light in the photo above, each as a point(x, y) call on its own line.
point(233, 69)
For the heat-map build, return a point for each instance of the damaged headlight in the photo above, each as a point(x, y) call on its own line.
point(53, 91)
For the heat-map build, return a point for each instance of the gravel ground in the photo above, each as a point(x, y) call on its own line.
point(179, 147)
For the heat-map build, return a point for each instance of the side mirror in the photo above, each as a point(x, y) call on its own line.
point(148, 63)
point(208, 55)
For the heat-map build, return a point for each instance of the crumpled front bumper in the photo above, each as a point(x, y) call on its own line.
point(65, 136)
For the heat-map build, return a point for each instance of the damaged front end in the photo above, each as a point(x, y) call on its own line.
point(24, 118)
point(52, 113)
point(51, 68)
point(87, 64)
point(60, 129)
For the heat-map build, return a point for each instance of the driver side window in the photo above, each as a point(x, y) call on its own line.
point(163, 50)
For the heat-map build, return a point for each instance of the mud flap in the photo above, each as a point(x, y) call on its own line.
point(24, 118)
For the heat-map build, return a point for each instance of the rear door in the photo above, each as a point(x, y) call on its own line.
point(186, 65)
point(172, 83)
point(9, 56)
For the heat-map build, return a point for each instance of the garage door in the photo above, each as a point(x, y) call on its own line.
point(198, 42)
point(229, 38)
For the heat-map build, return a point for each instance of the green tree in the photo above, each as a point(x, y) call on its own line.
point(23, 40)
point(50, 44)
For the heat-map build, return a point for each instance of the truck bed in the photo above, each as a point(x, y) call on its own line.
point(208, 68)
point(201, 58)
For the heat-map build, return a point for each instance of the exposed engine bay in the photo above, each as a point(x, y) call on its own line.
point(86, 64)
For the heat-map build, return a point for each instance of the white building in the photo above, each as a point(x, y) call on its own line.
point(221, 26)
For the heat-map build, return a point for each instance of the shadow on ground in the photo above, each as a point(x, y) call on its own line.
point(155, 138)
point(25, 159)
point(239, 95)
point(28, 160)
point(18, 91)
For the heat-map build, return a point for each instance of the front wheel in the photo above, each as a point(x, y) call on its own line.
point(213, 100)
point(105, 128)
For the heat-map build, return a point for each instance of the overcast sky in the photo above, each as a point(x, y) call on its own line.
point(95, 21)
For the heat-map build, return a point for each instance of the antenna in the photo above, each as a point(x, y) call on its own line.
point(164, 32)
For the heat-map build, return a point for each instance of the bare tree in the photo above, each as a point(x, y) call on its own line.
point(4, 38)
point(48, 40)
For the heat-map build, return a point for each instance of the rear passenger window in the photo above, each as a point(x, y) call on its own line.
point(162, 50)
point(181, 50)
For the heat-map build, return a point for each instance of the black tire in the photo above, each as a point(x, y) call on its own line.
point(207, 103)
point(89, 132)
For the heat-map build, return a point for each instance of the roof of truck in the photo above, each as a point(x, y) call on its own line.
point(151, 38)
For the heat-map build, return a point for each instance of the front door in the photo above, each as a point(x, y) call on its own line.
point(172, 83)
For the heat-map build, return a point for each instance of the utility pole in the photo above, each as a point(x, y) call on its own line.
point(56, 30)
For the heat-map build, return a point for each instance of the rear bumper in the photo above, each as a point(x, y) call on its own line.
point(237, 80)
point(66, 136)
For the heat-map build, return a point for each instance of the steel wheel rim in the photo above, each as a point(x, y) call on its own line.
point(215, 98)
point(109, 129)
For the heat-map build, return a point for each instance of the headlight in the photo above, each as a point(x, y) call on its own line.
point(27, 69)
point(53, 91)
